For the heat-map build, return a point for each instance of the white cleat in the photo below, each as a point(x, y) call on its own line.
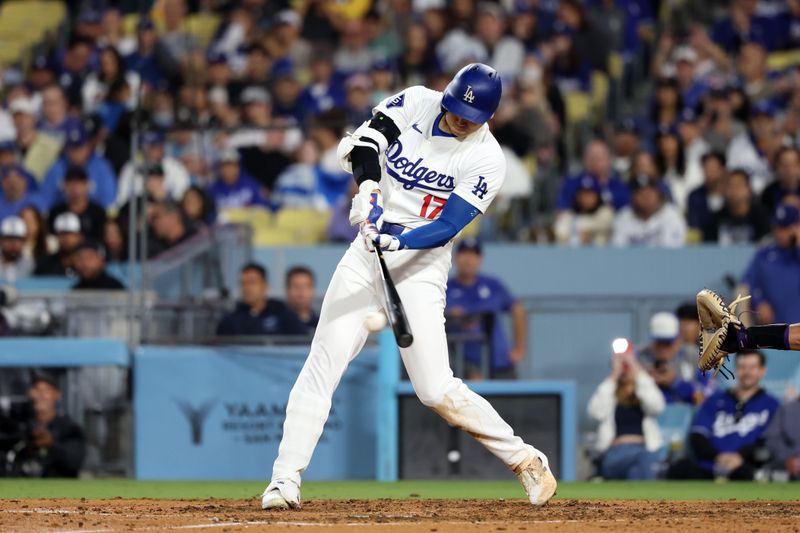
point(281, 494)
point(537, 479)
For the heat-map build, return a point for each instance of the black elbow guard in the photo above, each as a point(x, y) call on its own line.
point(365, 164)
point(385, 126)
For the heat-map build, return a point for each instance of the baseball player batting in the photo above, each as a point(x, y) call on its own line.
point(722, 333)
point(426, 165)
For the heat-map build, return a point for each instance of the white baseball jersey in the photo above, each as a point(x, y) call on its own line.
point(424, 166)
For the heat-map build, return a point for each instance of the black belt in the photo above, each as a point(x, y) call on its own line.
point(392, 229)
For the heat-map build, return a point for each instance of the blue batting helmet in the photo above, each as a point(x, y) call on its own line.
point(474, 93)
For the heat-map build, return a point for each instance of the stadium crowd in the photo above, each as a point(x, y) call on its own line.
point(631, 122)
point(736, 430)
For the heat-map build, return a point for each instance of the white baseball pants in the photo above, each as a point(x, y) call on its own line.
point(353, 293)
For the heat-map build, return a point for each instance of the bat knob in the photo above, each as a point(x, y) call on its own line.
point(404, 340)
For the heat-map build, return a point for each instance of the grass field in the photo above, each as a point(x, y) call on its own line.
point(129, 489)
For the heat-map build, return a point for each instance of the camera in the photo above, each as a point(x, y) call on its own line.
point(16, 423)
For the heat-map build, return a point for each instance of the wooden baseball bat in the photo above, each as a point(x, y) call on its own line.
point(394, 306)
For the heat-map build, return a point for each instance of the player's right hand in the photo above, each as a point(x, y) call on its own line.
point(373, 237)
point(367, 205)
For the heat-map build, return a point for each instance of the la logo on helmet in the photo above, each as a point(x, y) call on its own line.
point(468, 96)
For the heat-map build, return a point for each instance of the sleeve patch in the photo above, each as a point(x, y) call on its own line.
point(397, 101)
point(481, 188)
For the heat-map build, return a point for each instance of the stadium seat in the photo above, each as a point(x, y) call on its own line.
point(203, 26)
point(578, 106)
point(23, 24)
point(783, 60)
point(674, 423)
point(600, 88)
point(287, 227)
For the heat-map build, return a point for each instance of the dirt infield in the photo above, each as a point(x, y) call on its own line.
point(414, 516)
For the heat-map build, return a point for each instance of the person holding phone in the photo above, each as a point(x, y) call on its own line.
point(626, 405)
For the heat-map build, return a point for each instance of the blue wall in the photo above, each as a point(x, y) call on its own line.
point(238, 399)
point(547, 270)
point(579, 299)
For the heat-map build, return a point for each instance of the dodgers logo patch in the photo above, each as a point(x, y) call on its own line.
point(397, 101)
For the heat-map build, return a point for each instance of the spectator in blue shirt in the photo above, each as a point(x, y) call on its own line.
point(741, 26)
point(597, 164)
point(669, 360)
point(79, 152)
point(692, 90)
point(324, 92)
point(773, 276)
point(150, 60)
point(15, 191)
point(787, 179)
point(257, 313)
point(707, 199)
point(475, 304)
point(728, 429)
point(234, 188)
point(789, 27)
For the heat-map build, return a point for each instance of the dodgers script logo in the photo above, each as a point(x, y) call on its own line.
point(414, 174)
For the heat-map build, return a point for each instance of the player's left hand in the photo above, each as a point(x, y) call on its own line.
point(373, 237)
point(367, 205)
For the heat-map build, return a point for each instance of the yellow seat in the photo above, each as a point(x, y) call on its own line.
point(129, 23)
point(615, 65)
point(600, 88)
point(287, 227)
point(301, 226)
point(203, 26)
point(577, 105)
point(783, 60)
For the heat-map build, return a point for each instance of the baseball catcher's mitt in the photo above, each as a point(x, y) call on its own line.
point(718, 324)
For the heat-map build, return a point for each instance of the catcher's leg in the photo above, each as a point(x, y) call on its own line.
point(339, 337)
point(427, 363)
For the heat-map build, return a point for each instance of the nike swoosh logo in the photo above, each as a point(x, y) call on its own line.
point(414, 126)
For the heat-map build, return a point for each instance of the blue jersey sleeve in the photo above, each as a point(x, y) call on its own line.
point(704, 419)
point(457, 213)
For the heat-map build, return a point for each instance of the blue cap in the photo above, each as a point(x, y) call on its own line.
point(41, 62)
point(90, 16)
point(786, 215)
point(151, 137)
point(589, 183)
point(560, 28)
point(627, 125)
point(215, 57)
point(763, 107)
point(383, 63)
point(474, 93)
point(666, 129)
point(8, 145)
point(469, 244)
point(76, 134)
point(688, 115)
point(145, 23)
point(5, 170)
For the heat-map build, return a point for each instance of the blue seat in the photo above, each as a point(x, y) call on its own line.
point(674, 422)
